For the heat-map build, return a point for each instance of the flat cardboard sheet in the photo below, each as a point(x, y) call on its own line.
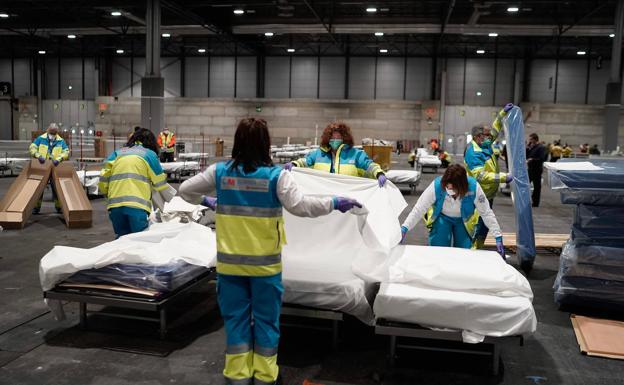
point(599, 337)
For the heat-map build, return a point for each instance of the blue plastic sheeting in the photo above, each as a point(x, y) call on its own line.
point(592, 197)
point(520, 187)
point(162, 279)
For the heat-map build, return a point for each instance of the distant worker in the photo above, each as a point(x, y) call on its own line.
point(49, 146)
point(411, 159)
point(452, 205)
point(251, 192)
point(567, 151)
point(584, 148)
point(594, 150)
point(166, 142)
point(536, 155)
point(127, 180)
point(338, 156)
point(482, 164)
point(444, 157)
point(555, 151)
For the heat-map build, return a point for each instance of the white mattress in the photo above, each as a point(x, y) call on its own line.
point(180, 166)
point(403, 176)
point(474, 313)
point(193, 155)
point(429, 160)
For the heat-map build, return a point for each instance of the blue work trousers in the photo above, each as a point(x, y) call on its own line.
point(128, 220)
point(449, 231)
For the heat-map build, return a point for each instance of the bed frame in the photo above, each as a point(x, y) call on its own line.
point(111, 298)
point(416, 332)
point(299, 311)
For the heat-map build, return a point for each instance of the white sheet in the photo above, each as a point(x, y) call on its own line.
point(572, 166)
point(403, 176)
point(90, 180)
point(429, 160)
point(180, 166)
point(193, 155)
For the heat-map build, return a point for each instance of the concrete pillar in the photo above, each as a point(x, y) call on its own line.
point(442, 130)
point(152, 85)
point(614, 87)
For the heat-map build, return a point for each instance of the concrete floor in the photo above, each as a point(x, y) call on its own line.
point(36, 349)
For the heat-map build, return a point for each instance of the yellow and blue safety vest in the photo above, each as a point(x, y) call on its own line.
point(469, 212)
point(128, 177)
point(249, 223)
point(55, 149)
point(348, 161)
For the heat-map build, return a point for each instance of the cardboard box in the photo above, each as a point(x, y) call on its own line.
point(75, 204)
point(18, 203)
point(380, 155)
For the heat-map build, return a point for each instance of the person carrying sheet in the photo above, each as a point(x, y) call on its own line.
point(451, 207)
point(251, 192)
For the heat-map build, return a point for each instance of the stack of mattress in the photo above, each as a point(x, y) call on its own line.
point(591, 270)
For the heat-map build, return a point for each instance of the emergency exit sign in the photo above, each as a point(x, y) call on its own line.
point(5, 88)
point(258, 108)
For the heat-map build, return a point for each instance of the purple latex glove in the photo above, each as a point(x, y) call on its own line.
point(210, 202)
point(403, 234)
point(508, 107)
point(41, 160)
point(56, 162)
point(509, 178)
point(288, 166)
point(382, 180)
point(499, 247)
point(343, 204)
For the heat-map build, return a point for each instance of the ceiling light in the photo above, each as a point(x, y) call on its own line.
point(239, 11)
point(371, 9)
point(201, 50)
point(581, 53)
point(478, 93)
point(71, 36)
point(291, 50)
point(379, 33)
point(268, 34)
point(383, 50)
point(611, 35)
point(166, 34)
point(120, 51)
point(69, 87)
point(115, 13)
point(4, 15)
point(513, 9)
point(480, 51)
point(42, 52)
point(492, 34)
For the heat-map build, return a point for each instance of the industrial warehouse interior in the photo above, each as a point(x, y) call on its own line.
point(311, 192)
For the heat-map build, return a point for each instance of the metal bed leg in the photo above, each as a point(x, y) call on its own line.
point(495, 359)
point(393, 343)
point(83, 315)
point(335, 334)
point(163, 323)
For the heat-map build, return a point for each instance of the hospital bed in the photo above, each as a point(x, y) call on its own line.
point(89, 180)
point(180, 169)
point(409, 178)
point(426, 161)
point(12, 166)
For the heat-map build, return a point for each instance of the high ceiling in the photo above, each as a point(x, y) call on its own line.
point(452, 28)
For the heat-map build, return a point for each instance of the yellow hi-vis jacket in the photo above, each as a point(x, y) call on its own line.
point(348, 161)
point(167, 141)
point(50, 149)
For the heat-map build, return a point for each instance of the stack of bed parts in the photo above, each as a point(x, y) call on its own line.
point(591, 269)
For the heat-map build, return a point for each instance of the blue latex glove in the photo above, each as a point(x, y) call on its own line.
point(343, 204)
point(499, 247)
point(509, 178)
point(41, 160)
point(56, 162)
point(382, 180)
point(210, 202)
point(403, 233)
point(508, 107)
point(288, 166)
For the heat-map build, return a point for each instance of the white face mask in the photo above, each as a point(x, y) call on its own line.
point(450, 192)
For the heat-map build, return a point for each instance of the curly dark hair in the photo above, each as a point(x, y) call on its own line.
point(342, 128)
point(456, 175)
point(252, 145)
point(145, 137)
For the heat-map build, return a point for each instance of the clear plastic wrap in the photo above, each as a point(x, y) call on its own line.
point(162, 279)
point(521, 188)
point(599, 217)
point(596, 187)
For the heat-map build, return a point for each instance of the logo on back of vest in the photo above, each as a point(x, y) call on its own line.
point(245, 184)
point(351, 161)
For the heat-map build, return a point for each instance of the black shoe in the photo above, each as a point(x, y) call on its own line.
point(526, 266)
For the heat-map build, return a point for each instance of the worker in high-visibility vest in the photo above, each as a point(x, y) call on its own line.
point(251, 192)
point(166, 142)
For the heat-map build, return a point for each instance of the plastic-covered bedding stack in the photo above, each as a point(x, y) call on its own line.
point(591, 270)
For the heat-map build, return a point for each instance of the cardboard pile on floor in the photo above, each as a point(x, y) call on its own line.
point(18, 203)
point(599, 337)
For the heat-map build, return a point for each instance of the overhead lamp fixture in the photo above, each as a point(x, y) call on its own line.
point(4, 15)
point(379, 33)
point(69, 87)
point(268, 34)
point(611, 35)
point(291, 50)
point(383, 50)
point(239, 11)
point(480, 51)
point(166, 35)
point(479, 93)
point(120, 51)
point(71, 36)
point(116, 13)
point(513, 9)
point(201, 50)
point(371, 9)
point(581, 53)
point(42, 52)
point(492, 34)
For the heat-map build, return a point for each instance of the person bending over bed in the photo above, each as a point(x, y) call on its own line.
point(250, 233)
point(451, 206)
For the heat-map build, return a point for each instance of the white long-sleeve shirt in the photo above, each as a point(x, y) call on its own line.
point(452, 208)
point(293, 200)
